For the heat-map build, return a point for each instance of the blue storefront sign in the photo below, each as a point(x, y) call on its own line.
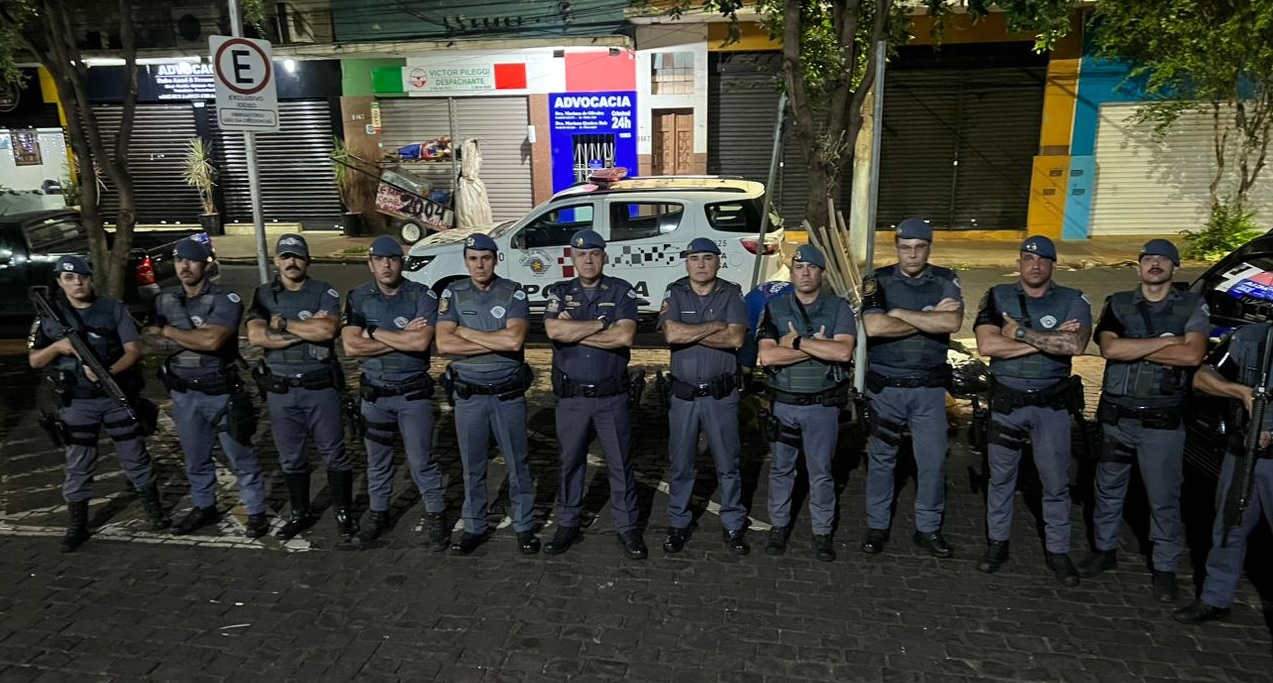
point(591, 131)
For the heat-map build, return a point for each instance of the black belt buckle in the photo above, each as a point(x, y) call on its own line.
point(701, 390)
point(587, 390)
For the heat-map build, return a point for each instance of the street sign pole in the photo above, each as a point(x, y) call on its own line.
point(254, 176)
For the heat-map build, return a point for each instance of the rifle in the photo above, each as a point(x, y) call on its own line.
point(85, 352)
point(1240, 486)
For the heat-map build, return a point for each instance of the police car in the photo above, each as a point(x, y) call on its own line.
point(646, 223)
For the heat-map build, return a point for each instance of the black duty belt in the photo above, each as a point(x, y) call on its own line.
point(415, 389)
point(214, 384)
point(564, 387)
point(835, 396)
point(718, 387)
point(937, 377)
point(1158, 417)
point(511, 388)
point(1066, 394)
point(323, 378)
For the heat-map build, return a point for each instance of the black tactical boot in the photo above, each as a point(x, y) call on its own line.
point(824, 547)
point(258, 525)
point(435, 528)
point(737, 541)
point(159, 520)
point(777, 543)
point(996, 554)
point(378, 524)
point(298, 494)
point(341, 485)
point(1062, 568)
point(1097, 562)
point(1165, 588)
point(676, 539)
point(633, 545)
point(76, 526)
point(527, 544)
point(196, 519)
point(563, 538)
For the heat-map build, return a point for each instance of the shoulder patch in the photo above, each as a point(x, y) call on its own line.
point(332, 291)
point(869, 286)
point(232, 296)
point(631, 294)
point(519, 295)
point(430, 293)
point(445, 304)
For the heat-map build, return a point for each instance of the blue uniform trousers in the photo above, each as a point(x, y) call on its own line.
point(718, 420)
point(475, 418)
point(610, 416)
point(1224, 564)
point(923, 410)
point(1048, 431)
point(298, 413)
point(1161, 456)
point(201, 418)
point(819, 429)
point(414, 420)
point(83, 418)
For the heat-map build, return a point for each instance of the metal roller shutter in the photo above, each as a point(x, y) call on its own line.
point(742, 109)
point(1145, 185)
point(958, 146)
point(156, 156)
point(499, 123)
point(297, 181)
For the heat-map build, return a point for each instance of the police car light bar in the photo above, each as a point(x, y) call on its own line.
point(605, 176)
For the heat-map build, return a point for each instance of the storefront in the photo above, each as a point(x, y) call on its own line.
point(176, 103)
point(32, 142)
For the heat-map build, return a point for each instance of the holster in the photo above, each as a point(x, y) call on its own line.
point(636, 387)
point(147, 414)
point(1066, 394)
point(54, 428)
point(325, 378)
point(565, 387)
point(506, 391)
point(353, 415)
point(241, 418)
point(415, 390)
point(837, 396)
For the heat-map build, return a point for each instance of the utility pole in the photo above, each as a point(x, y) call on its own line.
point(254, 177)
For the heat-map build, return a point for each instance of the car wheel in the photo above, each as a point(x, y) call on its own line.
point(411, 232)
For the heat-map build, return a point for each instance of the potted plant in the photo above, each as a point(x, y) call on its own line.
point(345, 185)
point(200, 174)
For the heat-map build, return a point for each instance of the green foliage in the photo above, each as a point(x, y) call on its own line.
point(345, 176)
point(1229, 228)
point(199, 173)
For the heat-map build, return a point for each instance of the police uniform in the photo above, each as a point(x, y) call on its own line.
point(209, 400)
point(397, 394)
point(704, 396)
point(1239, 360)
point(591, 386)
point(906, 388)
point(807, 397)
point(489, 390)
point(1031, 403)
point(1141, 415)
point(106, 326)
point(302, 385)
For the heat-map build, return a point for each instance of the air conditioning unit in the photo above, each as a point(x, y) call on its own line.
point(193, 22)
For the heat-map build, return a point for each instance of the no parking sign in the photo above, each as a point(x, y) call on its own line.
point(247, 98)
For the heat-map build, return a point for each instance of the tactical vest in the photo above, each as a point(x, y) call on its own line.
point(1250, 338)
point(1143, 378)
point(1051, 309)
point(465, 300)
point(393, 313)
point(186, 314)
point(99, 325)
point(810, 376)
point(282, 301)
point(921, 351)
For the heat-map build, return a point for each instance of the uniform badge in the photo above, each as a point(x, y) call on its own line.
point(332, 291)
point(519, 295)
point(198, 322)
point(304, 315)
point(401, 322)
point(445, 304)
point(573, 304)
point(631, 294)
point(498, 312)
point(1047, 321)
point(233, 297)
point(869, 287)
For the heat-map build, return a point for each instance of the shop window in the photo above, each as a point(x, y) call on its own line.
point(672, 73)
point(26, 148)
point(639, 220)
point(554, 228)
point(591, 151)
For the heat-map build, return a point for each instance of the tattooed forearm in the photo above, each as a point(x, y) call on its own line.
point(282, 337)
point(1056, 343)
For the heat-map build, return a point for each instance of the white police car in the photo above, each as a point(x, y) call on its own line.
point(646, 222)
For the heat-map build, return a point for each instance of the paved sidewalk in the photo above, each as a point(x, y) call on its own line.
point(138, 606)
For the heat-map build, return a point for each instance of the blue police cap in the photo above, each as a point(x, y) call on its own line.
point(587, 239)
point(807, 253)
point(386, 246)
point(1163, 248)
point(702, 245)
point(915, 229)
point(480, 241)
point(73, 264)
point(291, 243)
point(191, 250)
point(1039, 246)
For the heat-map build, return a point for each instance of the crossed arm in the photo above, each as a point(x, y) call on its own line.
point(1187, 351)
point(716, 334)
point(454, 340)
point(1068, 339)
point(778, 353)
point(620, 334)
point(945, 318)
point(320, 328)
point(414, 338)
point(169, 339)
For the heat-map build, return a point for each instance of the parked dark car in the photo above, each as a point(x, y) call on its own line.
point(32, 242)
point(1238, 290)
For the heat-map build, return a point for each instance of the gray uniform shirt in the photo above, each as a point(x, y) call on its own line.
point(698, 363)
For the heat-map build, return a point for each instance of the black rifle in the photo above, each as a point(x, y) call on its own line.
point(1240, 486)
point(104, 380)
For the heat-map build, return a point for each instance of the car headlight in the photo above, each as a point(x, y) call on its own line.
point(414, 263)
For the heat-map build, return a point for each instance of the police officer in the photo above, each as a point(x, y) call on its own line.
point(1031, 330)
point(1151, 338)
point(591, 321)
point(1233, 375)
point(704, 320)
point(388, 326)
point(109, 331)
point(295, 319)
point(196, 329)
point(910, 310)
point(806, 341)
point(484, 319)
